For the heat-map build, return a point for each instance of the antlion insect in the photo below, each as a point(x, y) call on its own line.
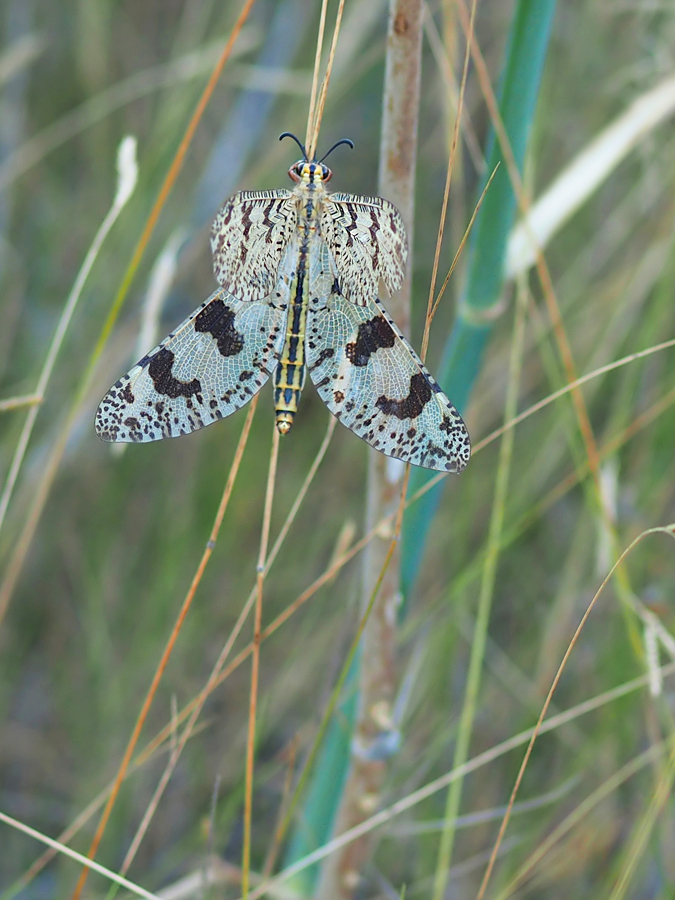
point(299, 272)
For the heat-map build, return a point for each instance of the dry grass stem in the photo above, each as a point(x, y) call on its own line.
point(152, 690)
point(573, 385)
point(339, 685)
point(18, 402)
point(316, 124)
point(194, 709)
point(432, 312)
point(126, 183)
point(255, 661)
point(135, 87)
point(88, 864)
point(452, 88)
point(670, 531)
point(315, 75)
point(334, 781)
point(448, 179)
point(381, 582)
point(569, 822)
point(574, 185)
point(282, 813)
point(542, 268)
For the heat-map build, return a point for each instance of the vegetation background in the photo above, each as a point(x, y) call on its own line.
point(121, 535)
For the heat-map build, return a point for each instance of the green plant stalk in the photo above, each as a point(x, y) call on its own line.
point(454, 796)
point(319, 805)
point(521, 79)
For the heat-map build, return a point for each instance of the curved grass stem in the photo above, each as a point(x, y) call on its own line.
point(127, 172)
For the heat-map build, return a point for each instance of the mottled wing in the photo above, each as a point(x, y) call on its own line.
point(248, 239)
point(373, 381)
point(367, 241)
point(213, 364)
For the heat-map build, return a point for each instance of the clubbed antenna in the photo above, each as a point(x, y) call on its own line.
point(297, 141)
point(343, 141)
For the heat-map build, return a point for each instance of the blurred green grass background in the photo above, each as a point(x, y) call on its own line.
point(121, 537)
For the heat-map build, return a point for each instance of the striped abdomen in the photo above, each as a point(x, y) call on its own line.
point(290, 374)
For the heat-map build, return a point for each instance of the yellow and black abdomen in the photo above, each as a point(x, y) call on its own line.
point(290, 375)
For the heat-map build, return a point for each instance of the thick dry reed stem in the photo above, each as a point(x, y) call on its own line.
point(374, 736)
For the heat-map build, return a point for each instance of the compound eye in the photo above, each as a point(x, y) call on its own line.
point(326, 173)
point(295, 172)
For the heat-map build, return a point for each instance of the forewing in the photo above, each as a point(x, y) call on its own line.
point(367, 240)
point(213, 364)
point(373, 381)
point(248, 239)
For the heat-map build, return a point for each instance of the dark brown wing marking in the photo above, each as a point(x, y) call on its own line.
point(412, 406)
point(218, 320)
point(367, 241)
point(160, 369)
point(375, 383)
point(209, 367)
point(371, 336)
point(248, 239)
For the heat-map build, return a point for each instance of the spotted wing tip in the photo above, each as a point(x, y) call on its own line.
point(462, 459)
point(105, 435)
point(457, 466)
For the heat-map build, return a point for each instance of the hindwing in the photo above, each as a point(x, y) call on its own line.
point(373, 381)
point(213, 364)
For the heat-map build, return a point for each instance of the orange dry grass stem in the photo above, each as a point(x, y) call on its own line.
point(255, 663)
point(187, 603)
